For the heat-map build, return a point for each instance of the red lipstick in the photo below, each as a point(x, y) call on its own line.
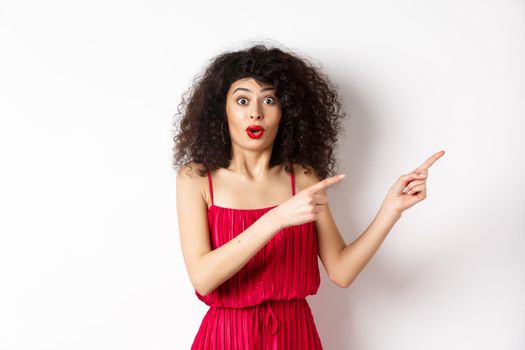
point(255, 131)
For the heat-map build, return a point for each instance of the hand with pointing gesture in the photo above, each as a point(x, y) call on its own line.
point(306, 204)
point(410, 188)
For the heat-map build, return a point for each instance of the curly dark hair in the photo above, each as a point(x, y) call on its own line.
point(311, 111)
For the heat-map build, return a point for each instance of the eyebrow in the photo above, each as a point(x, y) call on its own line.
point(245, 89)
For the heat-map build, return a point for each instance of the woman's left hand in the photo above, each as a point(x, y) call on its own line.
point(410, 188)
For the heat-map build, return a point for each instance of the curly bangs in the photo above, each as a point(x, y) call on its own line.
point(310, 120)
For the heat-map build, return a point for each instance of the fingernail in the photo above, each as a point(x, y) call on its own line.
point(341, 176)
point(423, 174)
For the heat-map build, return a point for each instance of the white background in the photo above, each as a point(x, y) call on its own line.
point(89, 245)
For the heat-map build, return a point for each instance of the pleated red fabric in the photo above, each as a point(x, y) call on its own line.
point(262, 306)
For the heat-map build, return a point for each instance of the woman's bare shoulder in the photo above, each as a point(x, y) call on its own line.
point(190, 179)
point(190, 170)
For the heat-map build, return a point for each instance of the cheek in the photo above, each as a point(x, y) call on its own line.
point(276, 120)
point(235, 127)
point(233, 117)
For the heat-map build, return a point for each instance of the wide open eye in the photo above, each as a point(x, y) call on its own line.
point(270, 98)
point(242, 98)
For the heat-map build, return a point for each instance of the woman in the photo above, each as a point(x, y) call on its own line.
point(251, 221)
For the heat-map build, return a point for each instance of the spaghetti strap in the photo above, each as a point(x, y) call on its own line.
point(293, 182)
point(211, 187)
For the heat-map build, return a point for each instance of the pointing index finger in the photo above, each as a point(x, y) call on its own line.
point(329, 181)
point(428, 163)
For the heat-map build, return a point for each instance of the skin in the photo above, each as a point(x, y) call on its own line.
point(249, 183)
point(258, 106)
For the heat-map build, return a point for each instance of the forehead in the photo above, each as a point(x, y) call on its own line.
point(251, 84)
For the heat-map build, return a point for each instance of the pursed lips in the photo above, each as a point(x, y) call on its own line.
point(254, 128)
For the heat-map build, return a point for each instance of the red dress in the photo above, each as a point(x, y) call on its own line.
point(262, 306)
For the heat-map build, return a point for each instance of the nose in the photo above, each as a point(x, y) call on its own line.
point(256, 112)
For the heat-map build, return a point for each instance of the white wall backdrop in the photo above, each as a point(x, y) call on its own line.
point(89, 245)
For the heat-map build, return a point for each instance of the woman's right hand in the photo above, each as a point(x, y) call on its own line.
point(305, 205)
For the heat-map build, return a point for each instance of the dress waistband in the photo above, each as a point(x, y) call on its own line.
point(270, 320)
point(271, 323)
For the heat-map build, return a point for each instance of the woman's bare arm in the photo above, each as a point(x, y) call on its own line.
point(209, 268)
point(344, 262)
